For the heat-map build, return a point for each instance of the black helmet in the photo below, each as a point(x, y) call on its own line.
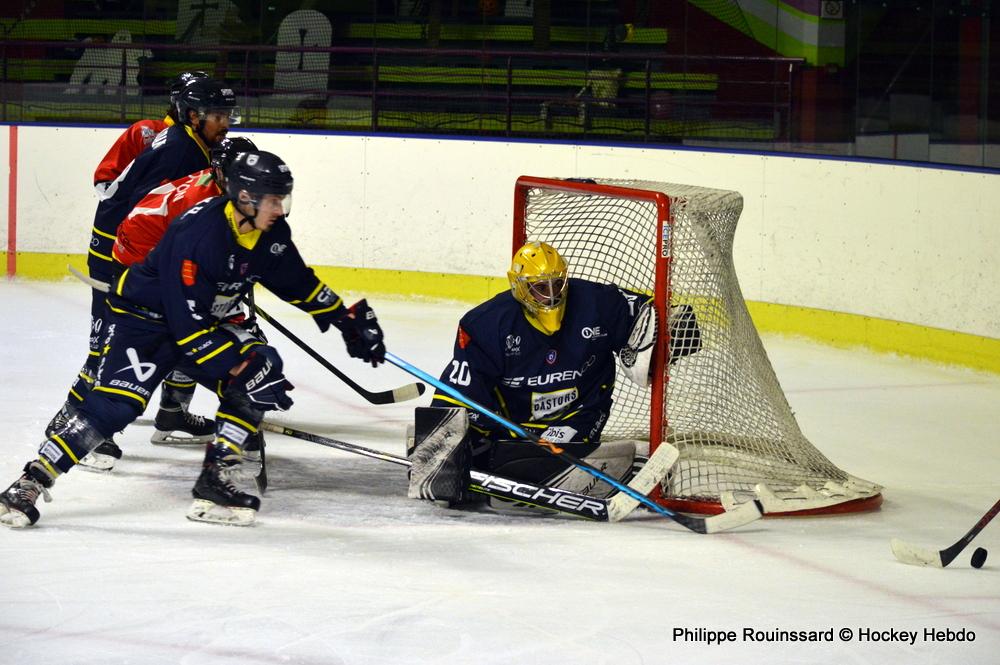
point(204, 96)
point(223, 153)
point(259, 173)
point(181, 81)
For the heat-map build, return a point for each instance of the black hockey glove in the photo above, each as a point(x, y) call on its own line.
point(261, 382)
point(362, 333)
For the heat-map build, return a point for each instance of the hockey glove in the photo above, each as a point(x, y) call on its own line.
point(362, 333)
point(260, 382)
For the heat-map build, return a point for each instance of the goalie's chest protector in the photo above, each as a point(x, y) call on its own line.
point(543, 376)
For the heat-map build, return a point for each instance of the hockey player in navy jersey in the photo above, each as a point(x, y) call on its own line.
point(205, 108)
point(543, 355)
point(137, 138)
point(169, 309)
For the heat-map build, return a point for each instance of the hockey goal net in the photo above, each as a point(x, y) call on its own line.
point(721, 405)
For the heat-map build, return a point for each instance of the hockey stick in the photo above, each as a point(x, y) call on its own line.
point(918, 556)
point(400, 394)
point(97, 284)
point(550, 499)
point(745, 513)
point(614, 509)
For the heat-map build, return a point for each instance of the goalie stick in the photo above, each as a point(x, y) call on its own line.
point(537, 496)
point(400, 394)
point(919, 556)
point(743, 514)
point(546, 498)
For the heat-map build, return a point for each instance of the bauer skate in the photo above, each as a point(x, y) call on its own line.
point(103, 457)
point(216, 497)
point(17, 503)
point(176, 425)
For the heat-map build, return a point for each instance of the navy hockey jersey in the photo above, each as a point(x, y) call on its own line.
point(174, 153)
point(202, 267)
point(564, 380)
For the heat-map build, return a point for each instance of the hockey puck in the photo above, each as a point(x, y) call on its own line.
point(979, 557)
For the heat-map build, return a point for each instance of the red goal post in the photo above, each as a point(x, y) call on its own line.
point(721, 406)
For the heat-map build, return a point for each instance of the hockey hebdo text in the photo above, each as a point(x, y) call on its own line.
point(860, 634)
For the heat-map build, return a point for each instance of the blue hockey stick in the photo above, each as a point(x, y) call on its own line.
point(746, 513)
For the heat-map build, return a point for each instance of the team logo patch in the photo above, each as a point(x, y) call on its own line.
point(244, 267)
point(463, 338)
point(513, 344)
point(551, 356)
point(189, 272)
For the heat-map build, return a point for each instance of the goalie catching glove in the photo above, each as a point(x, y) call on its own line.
point(362, 333)
point(637, 354)
point(260, 383)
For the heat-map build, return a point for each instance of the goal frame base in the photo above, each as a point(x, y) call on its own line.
point(862, 505)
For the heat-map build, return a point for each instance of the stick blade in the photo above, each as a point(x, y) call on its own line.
point(652, 472)
point(408, 392)
point(747, 512)
point(915, 556)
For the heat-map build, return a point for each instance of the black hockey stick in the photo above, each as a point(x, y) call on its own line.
point(551, 499)
point(400, 394)
point(919, 556)
point(630, 494)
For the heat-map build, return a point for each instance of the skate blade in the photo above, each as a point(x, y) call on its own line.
point(168, 438)
point(206, 511)
point(97, 463)
point(14, 519)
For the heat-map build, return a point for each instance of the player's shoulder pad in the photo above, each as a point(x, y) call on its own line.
point(483, 322)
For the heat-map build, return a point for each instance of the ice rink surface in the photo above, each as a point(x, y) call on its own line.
point(342, 568)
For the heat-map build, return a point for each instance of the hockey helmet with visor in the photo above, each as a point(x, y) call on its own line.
point(538, 280)
point(259, 179)
point(207, 96)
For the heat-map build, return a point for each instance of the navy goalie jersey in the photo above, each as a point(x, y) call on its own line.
point(562, 382)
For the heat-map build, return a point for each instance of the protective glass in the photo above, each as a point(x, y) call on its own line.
point(275, 204)
point(218, 115)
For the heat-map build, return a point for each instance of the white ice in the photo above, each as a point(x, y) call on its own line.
point(342, 568)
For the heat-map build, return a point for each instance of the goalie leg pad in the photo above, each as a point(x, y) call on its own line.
point(613, 458)
point(441, 455)
point(524, 461)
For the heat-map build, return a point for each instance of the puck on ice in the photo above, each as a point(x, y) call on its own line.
point(979, 557)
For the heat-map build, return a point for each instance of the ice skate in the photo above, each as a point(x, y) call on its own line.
point(17, 503)
point(176, 425)
point(102, 458)
point(216, 497)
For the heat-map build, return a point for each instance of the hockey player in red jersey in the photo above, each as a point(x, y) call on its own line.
point(137, 138)
point(148, 221)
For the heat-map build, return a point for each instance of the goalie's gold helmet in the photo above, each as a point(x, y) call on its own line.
point(538, 281)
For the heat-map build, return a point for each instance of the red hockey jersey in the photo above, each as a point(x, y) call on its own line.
point(126, 148)
point(148, 221)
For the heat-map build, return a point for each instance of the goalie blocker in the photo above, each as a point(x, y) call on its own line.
point(443, 453)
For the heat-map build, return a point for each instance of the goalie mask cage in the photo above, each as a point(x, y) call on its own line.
point(721, 405)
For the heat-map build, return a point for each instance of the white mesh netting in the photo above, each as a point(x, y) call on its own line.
point(723, 406)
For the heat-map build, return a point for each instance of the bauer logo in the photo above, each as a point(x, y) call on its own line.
point(142, 370)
